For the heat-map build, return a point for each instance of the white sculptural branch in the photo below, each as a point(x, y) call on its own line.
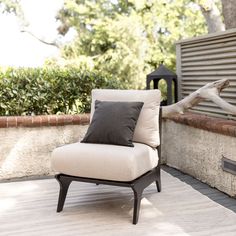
point(210, 91)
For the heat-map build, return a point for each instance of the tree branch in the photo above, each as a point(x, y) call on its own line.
point(210, 92)
point(52, 43)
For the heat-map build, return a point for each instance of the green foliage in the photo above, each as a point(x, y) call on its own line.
point(10, 6)
point(128, 39)
point(13, 6)
point(28, 91)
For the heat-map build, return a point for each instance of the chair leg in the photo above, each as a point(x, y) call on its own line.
point(158, 181)
point(137, 202)
point(64, 185)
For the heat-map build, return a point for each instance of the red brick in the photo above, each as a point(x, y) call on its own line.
point(84, 119)
point(3, 122)
point(37, 121)
point(11, 121)
point(52, 120)
point(60, 120)
point(20, 121)
point(220, 127)
point(44, 120)
point(217, 125)
point(230, 130)
point(68, 119)
point(76, 119)
point(28, 121)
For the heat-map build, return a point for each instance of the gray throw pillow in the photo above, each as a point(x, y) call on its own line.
point(113, 123)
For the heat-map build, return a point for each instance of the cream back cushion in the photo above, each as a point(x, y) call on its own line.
point(147, 127)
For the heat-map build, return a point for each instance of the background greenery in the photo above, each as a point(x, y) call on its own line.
point(116, 44)
point(127, 38)
point(28, 91)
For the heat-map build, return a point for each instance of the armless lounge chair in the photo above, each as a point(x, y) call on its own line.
point(135, 167)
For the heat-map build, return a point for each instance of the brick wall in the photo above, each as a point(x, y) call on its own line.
point(38, 121)
point(215, 125)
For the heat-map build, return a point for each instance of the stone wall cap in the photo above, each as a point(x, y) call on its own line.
point(212, 124)
point(43, 120)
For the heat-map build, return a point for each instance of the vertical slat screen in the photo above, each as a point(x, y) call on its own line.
point(206, 59)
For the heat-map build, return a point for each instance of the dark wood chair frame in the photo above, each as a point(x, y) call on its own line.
point(138, 185)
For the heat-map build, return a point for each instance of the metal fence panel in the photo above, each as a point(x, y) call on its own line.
point(205, 59)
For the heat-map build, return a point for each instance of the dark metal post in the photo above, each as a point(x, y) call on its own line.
point(169, 92)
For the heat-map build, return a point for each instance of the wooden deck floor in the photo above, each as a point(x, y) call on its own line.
point(185, 207)
point(212, 193)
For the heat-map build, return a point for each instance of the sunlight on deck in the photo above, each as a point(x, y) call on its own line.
point(7, 204)
point(12, 194)
point(29, 208)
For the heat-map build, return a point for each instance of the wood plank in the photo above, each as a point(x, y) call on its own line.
point(209, 110)
point(228, 94)
point(210, 46)
point(184, 207)
point(205, 42)
point(209, 67)
point(232, 78)
point(200, 83)
point(210, 73)
point(224, 35)
point(209, 57)
point(223, 61)
point(200, 52)
point(213, 114)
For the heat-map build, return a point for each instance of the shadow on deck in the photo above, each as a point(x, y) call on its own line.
point(212, 193)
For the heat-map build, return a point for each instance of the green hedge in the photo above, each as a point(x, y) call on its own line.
point(35, 91)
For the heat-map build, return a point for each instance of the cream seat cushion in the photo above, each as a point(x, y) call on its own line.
point(147, 127)
point(101, 161)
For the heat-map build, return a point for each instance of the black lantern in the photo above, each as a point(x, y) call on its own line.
point(163, 73)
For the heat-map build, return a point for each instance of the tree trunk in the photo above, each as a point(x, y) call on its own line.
point(229, 13)
point(210, 92)
point(212, 16)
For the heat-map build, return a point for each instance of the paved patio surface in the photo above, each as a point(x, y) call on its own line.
point(184, 207)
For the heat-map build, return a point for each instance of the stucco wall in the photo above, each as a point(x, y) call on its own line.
point(191, 143)
point(199, 152)
point(26, 151)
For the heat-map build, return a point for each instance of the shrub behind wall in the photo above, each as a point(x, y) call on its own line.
point(27, 91)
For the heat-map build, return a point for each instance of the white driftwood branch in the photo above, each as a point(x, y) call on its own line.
point(210, 91)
